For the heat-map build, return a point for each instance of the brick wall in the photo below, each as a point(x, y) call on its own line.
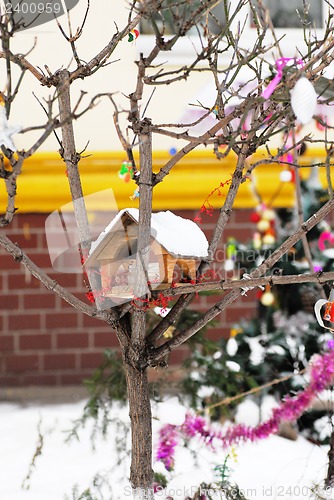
point(43, 341)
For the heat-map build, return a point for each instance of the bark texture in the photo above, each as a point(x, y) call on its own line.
point(141, 474)
point(329, 482)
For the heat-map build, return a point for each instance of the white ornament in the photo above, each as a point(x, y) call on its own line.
point(285, 176)
point(6, 131)
point(303, 100)
point(231, 346)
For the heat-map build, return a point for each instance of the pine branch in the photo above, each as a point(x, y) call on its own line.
point(254, 390)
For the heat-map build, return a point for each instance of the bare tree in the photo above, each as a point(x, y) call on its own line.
point(220, 52)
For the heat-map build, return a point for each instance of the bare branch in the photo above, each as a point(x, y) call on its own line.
point(161, 351)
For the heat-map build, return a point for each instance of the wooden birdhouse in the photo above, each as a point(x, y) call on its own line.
point(177, 245)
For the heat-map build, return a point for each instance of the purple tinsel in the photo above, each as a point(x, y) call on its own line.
point(168, 440)
point(291, 408)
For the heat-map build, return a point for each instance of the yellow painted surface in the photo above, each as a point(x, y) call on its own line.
point(43, 184)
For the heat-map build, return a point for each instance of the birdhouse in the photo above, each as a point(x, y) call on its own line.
point(177, 245)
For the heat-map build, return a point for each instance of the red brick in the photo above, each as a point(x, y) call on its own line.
point(34, 220)
point(24, 240)
point(54, 320)
point(8, 262)
point(42, 241)
point(46, 300)
point(71, 340)
point(6, 343)
point(22, 363)
point(89, 321)
point(41, 259)
point(41, 379)
point(178, 356)
point(65, 280)
point(35, 342)
point(216, 334)
point(241, 234)
point(9, 302)
point(91, 360)
point(235, 314)
point(59, 361)
point(75, 378)
point(243, 216)
point(24, 322)
point(10, 381)
point(19, 281)
point(105, 339)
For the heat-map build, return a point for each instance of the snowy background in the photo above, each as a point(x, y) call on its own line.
point(275, 468)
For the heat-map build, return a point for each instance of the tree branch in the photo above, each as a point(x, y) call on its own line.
point(184, 335)
point(273, 279)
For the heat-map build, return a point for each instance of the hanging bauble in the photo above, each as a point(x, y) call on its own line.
point(268, 239)
point(133, 35)
point(135, 194)
point(255, 217)
point(303, 100)
point(268, 298)
point(268, 214)
point(126, 172)
point(263, 225)
point(229, 265)
point(232, 346)
point(257, 241)
point(325, 244)
point(286, 176)
point(328, 314)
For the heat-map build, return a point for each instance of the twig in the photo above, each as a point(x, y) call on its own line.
point(224, 285)
point(184, 335)
point(49, 283)
point(231, 399)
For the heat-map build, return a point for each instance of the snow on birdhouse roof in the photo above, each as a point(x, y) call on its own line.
point(179, 236)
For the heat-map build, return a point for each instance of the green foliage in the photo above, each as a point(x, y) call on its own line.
point(160, 479)
point(107, 383)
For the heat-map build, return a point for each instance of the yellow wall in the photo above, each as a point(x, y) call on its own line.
point(43, 185)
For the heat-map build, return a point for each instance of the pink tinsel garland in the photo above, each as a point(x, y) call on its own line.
point(291, 408)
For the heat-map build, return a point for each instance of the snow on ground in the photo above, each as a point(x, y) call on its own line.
point(272, 469)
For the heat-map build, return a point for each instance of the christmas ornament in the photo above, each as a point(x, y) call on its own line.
point(268, 298)
point(328, 314)
point(268, 239)
point(303, 100)
point(264, 218)
point(135, 194)
point(257, 240)
point(133, 35)
point(321, 371)
point(286, 176)
point(263, 225)
point(6, 131)
point(126, 172)
point(325, 238)
point(280, 65)
point(268, 214)
point(231, 253)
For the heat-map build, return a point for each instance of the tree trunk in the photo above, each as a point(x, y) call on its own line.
point(329, 481)
point(141, 474)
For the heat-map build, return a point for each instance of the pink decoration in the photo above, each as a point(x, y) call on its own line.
point(280, 65)
point(326, 236)
point(291, 408)
point(167, 443)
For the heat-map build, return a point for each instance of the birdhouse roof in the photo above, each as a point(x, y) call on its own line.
point(180, 237)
